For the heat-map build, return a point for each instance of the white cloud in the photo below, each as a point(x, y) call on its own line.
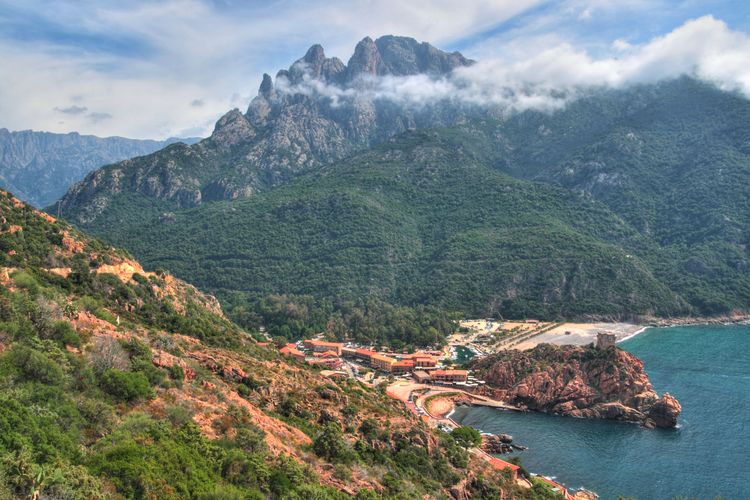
point(168, 52)
point(704, 48)
point(621, 45)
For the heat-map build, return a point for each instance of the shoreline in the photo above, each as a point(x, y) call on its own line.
point(531, 333)
point(743, 319)
point(636, 333)
point(736, 319)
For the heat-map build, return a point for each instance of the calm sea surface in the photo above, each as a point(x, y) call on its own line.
point(708, 369)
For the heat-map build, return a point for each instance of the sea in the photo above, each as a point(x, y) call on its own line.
point(707, 368)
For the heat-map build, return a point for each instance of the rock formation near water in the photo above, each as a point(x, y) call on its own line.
point(579, 382)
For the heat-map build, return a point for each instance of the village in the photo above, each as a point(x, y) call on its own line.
point(429, 385)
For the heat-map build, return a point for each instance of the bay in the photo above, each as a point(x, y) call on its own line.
point(707, 456)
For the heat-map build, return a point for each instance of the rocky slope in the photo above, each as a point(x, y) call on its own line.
point(120, 383)
point(579, 382)
point(310, 114)
point(40, 166)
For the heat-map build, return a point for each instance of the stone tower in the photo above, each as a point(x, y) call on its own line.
point(605, 340)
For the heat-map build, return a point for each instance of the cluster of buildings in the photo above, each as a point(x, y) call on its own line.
point(422, 365)
point(327, 354)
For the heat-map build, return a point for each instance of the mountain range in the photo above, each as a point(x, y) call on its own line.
point(626, 203)
point(40, 166)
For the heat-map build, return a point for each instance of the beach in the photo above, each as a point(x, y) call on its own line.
point(488, 336)
point(580, 334)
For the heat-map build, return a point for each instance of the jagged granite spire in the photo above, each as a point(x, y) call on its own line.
point(315, 65)
point(365, 60)
point(266, 86)
point(285, 132)
point(401, 56)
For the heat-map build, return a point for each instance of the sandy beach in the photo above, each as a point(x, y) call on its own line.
point(580, 334)
point(440, 407)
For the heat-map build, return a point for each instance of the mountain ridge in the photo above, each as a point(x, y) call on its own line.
point(39, 166)
point(282, 133)
point(646, 162)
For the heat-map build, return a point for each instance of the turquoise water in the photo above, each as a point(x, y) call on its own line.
point(708, 369)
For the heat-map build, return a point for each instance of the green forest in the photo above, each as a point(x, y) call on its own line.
point(624, 205)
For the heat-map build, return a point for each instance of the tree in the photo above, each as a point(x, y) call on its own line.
point(468, 437)
point(331, 446)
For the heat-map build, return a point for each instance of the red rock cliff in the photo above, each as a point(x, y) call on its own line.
point(579, 382)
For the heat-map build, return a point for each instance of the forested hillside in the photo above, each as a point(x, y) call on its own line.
point(626, 203)
point(423, 219)
point(119, 383)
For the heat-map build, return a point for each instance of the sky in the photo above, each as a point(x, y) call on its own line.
point(158, 69)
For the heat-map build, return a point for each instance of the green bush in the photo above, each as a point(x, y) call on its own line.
point(331, 446)
point(63, 332)
point(35, 366)
point(127, 386)
point(468, 437)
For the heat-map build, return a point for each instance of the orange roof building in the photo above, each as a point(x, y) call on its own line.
point(364, 354)
point(380, 362)
point(348, 352)
point(403, 366)
point(501, 465)
point(322, 346)
point(291, 350)
point(449, 375)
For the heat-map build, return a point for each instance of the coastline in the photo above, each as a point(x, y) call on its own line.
point(737, 319)
point(638, 332)
point(531, 333)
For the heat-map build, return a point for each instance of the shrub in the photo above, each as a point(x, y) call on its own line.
point(245, 469)
point(35, 366)
point(63, 332)
point(127, 386)
point(179, 415)
point(468, 437)
point(108, 354)
point(331, 446)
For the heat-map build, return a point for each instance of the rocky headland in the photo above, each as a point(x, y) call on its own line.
point(584, 382)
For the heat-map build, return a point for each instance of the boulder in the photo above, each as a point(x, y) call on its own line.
point(665, 411)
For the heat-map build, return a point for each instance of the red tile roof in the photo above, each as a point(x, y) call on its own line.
point(403, 362)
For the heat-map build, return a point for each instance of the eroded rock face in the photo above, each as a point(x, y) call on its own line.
point(580, 382)
point(310, 114)
point(665, 411)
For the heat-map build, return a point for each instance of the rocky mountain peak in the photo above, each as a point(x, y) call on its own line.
point(366, 60)
point(315, 55)
point(315, 65)
point(266, 86)
point(232, 128)
point(401, 56)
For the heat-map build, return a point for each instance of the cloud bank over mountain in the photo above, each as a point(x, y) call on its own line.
point(703, 48)
point(142, 66)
